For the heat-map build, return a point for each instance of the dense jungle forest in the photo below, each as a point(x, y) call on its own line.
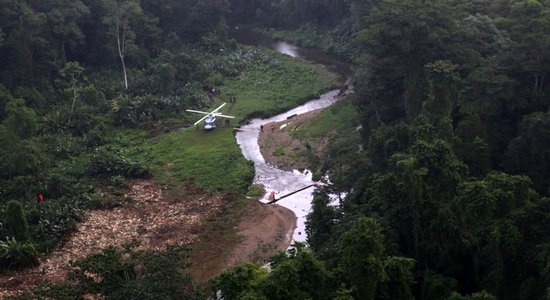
point(448, 200)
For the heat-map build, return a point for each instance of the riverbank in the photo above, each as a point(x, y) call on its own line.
point(302, 141)
point(279, 148)
point(236, 229)
point(260, 232)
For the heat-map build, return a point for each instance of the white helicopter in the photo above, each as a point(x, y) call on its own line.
point(210, 118)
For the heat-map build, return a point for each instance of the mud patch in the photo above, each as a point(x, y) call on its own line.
point(260, 231)
point(267, 231)
point(153, 216)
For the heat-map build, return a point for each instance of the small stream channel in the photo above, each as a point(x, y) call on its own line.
point(272, 178)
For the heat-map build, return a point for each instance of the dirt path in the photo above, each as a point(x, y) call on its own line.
point(153, 217)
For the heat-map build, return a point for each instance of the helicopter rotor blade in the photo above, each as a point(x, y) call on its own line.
point(213, 113)
point(224, 116)
point(201, 119)
point(197, 111)
point(215, 110)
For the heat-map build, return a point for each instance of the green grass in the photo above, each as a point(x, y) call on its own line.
point(255, 191)
point(279, 152)
point(265, 90)
point(212, 159)
point(340, 119)
point(332, 125)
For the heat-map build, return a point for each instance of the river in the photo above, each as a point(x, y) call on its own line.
point(248, 37)
point(272, 178)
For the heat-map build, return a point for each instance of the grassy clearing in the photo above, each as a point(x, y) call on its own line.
point(285, 82)
point(339, 119)
point(255, 191)
point(332, 132)
point(212, 159)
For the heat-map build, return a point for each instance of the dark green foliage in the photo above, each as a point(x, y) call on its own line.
point(475, 296)
point(529, 152)
point(437, 286)
point(20, 120)
point(496, 211)
point(54, 291)
point(128, 274)
point(472, 84)
point(296, 275)
point(111, 267)
point(19, 157)
point(241, 280)
point(16, 254)
point(15, 222)
point(163, 276)
point(400, 278)
point(421, 197)
point(399, 44)
point(471, 146)
point(115, 161)
point(320, 225)
point(301, 276)
point(18, 249)
point(360, 253)
point(5, 98)
point(134, 111)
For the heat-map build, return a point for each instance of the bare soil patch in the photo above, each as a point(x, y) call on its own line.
point(159, 218)
point(153, 216)
point(280, 149)
point(266, 230)
point(260, 232)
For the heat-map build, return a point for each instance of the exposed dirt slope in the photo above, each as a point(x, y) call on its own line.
point(158, 219)
point(153, 216)
point(262, 231)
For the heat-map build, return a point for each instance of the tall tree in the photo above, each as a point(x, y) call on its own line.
point(23, 25)
point(72, 71)
point(529, 152)
point(63, 18)
point(400, 38)
point(361, 252)
point(121, 14)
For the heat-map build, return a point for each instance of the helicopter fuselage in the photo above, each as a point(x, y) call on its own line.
point(210, 122)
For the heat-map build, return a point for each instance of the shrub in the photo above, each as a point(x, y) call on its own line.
point(126, 274)
point(32, 96)
point(16, 254)
point(135, 111)
point(15, 221)
point(113, 161)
